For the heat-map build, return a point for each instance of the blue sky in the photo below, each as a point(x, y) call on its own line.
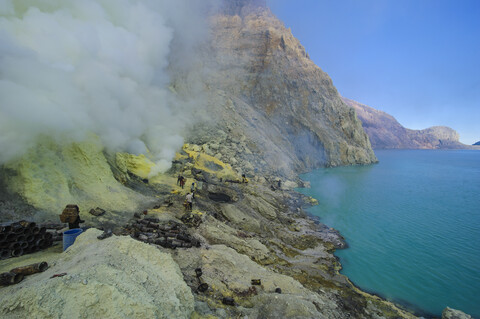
point(418, 60)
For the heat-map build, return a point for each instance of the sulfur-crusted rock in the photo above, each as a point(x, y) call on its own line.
point(230, 275)
point(219, 233)
point(449, 313)
point(113, 278)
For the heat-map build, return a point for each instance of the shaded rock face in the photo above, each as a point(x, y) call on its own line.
point(264, 90)
point(386, 133)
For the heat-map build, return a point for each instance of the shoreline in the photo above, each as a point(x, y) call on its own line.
point(330, 211)
point(404, 307)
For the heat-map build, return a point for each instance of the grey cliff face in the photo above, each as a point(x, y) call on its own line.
point(264, 90)
point(386, 133)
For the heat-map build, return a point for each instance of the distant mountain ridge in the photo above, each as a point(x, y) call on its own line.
point(478, 143)
point(385, 132)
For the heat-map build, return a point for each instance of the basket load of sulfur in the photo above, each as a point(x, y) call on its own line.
point(23, 237)
point(167, 234)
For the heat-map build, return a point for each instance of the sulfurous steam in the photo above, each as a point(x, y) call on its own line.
point(72, 68)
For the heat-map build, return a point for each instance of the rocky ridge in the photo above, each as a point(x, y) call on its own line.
point(263, 89)
point(246, 231)
point(385, 132)
point(272, 114)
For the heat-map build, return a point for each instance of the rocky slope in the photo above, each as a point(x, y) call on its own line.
point(264, 90)
point(385, 132)
point(271, 114)
point(478, 143)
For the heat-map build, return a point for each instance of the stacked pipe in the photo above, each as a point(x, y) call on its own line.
point(55, 229)
point(169, 235)
point(23, 237)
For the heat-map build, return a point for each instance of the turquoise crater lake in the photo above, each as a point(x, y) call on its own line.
point(412, 223)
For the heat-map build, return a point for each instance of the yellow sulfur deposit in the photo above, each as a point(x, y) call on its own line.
point(51, 176)
point(209, 164)
point(139, 165)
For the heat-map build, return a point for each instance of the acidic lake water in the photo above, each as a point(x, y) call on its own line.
point(412, 223)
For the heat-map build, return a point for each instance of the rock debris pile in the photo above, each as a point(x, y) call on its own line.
point(170, 234)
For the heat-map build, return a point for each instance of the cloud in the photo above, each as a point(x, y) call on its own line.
point(71, 68)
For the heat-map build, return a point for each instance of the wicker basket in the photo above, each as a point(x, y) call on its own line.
point(69, 214)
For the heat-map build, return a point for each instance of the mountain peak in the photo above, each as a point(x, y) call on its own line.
point(242, 7)
point(385, 132)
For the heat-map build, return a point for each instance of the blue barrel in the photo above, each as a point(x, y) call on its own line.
point(69, 237)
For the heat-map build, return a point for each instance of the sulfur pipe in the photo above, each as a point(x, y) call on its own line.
point(47, 236)
point(14, 245)
point(4, 253)
point(52, 226)
point(31, 269)
point(5, 228)
point(27, 224)
point(17, 228)
point(16, 252)
point(47, 243)
point(9, 278)
point(11, 237)
point(39, 242)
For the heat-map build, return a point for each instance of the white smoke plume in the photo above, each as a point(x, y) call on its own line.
point(71, 68)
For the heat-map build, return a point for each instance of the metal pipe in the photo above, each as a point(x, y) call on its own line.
point(30, 238)
point(35, 230)
point(47, 243)
point(31, 269)
point(16, 252)
point(9, 278)
point(47, 236)
point(3, 236)
point(52, 226)
point(27, 224)
point(23, 244)
point(14, 245)
point(39, 242)
point(17, 228)
point(4, 253)
point(11, 237)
